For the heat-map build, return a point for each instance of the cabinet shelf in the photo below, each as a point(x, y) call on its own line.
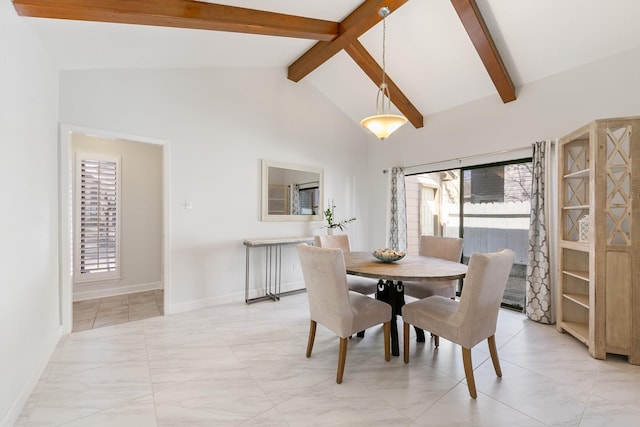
point(577, 329)
point(580, 299)
point(576, 207)
point(575, 245)
point(582, 275)
point(278, 200)
point(584, 173)
point(619, 167)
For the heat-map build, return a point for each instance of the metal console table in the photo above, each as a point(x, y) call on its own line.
point(273, 264)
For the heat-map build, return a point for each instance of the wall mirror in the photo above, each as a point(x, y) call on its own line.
point(291, 192)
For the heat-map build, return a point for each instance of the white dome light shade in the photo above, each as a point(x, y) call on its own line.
point(383, 125)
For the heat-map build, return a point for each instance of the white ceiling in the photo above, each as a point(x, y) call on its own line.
point(428, 54)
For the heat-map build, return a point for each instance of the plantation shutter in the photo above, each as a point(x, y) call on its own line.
point(98, 218)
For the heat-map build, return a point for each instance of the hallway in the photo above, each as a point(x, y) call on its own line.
point(95, 313)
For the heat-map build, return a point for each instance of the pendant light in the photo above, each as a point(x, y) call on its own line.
point(383, 124)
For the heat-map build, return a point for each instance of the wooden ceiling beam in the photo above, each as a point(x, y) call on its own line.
point(332, 36)
point(181, 14)
point(374, 71)
point(353, 26)
point(473, 22)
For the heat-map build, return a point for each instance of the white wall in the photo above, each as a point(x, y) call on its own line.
point(546, 109)
point(140, 220)
point(220, 123)
point(29, 317)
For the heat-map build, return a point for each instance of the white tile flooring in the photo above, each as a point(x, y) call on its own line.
point(245, 365)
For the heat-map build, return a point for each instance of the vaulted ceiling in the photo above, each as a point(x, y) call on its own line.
point(439, 53)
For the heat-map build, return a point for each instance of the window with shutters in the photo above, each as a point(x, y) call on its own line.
point(97, 238)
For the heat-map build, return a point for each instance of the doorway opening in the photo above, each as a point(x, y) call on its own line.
point(112, 228)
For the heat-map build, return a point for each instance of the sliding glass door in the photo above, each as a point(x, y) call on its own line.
point(487, 205)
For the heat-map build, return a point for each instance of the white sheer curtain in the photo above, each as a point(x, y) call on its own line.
point(397, 237)
point(538, 306)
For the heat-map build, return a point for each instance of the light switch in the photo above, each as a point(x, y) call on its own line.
point(188, 205)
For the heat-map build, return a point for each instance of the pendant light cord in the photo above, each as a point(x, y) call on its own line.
point(384, 89)
point(384, 39)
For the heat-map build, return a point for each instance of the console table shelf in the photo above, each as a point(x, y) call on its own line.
point(273, 264)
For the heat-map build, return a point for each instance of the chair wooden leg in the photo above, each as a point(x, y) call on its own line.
point(342, 358)
point(494, 355)
point(468, 371)
point(436, 340)
point(312, 337)
point(406, 342)
point(387, 341)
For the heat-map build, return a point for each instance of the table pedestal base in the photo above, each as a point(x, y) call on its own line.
point(392, 292)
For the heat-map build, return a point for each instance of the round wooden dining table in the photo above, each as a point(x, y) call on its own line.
point(411, 268)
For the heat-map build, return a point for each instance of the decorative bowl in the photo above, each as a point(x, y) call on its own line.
point(388, 255)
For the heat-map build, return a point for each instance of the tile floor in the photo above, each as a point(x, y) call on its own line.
point(245, 365)
point(96, 313)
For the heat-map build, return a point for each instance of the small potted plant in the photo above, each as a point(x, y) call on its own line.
point(332, 223)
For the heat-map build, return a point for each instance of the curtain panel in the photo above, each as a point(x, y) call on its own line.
point(397, 211)
point(538, 306)
point(295, 199)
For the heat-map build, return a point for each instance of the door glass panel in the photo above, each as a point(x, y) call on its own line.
point(494, 214)
point(433, 206)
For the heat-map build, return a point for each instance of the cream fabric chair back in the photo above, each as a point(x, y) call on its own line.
point(484, 285)
point(340, 241)
point(362, 285)
point(449, 248)
point(325, 277)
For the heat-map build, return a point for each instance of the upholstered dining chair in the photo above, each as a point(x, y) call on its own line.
point(362, 285)
point(473, 318)
point(449, 248)
point(334, 306)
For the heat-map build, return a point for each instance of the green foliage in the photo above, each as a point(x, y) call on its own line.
point(331, 222)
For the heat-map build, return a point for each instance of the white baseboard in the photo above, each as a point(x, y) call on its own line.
point(200, 303)
point(293, 286)
point(227, 299)
point(84, 292)
point(18, 405)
